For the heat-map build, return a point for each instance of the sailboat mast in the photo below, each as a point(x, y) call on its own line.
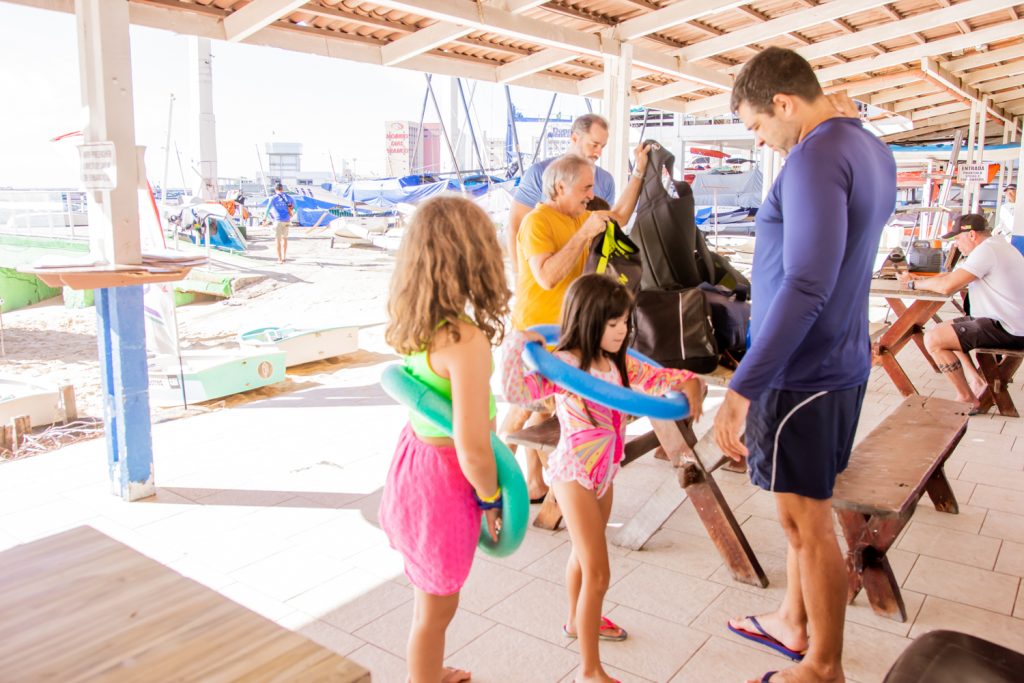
point(167, 155)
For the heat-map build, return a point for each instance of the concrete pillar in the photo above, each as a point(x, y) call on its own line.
point(768, 171)
point(980, 158)
point(104, 56)
point(204, 129)
point(618, 75)
point(972, 132)
point(124, 381)
point(105, 63)
point(1018, 208)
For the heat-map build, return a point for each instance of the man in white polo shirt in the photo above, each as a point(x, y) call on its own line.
point(993, 273)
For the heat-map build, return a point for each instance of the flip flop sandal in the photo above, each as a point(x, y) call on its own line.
point(764, 638)
point(768, 676)
point(607, 625)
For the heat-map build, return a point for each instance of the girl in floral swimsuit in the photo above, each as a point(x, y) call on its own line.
point(595, 329)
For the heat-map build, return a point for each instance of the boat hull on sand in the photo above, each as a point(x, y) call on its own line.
point(42, 404)
point(212, 374)
point(303, 345)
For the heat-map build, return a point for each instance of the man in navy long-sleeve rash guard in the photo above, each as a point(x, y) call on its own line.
point(800, 387)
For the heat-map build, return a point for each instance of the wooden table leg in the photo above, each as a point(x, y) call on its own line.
point(549, 516)
point(920, 315)
point(868, 539)
point(941, 493)
point(998, 376)
point(896, 373)
point(907, 326)
point(515, 419)
point(711, 506)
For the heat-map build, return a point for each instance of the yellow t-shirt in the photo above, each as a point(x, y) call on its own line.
point(543, 231)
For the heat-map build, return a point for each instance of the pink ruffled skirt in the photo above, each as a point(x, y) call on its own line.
point(429, 515)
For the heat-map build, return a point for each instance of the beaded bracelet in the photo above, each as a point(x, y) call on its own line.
point(490, 502)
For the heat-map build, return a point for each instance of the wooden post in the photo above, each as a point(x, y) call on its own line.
point(20, 426)
point(67, 403)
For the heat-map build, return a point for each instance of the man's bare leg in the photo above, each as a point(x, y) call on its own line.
point(975, 379)
point(943, 345)
point(808, 526)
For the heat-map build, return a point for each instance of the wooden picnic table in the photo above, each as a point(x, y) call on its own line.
point(908, 325)
point(693, 462)
point(80, 606)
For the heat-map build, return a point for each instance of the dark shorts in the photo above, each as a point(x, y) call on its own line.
point(984, 333)
point(799, 441)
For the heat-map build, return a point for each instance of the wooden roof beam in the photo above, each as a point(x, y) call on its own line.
point(421, 41)
point(256, 16)
point(920, 86)
point(986, 58)
point(915, 53)
point(670, 17)
point(870, 85)
point(900, 27)
point(794, 21)
point(944, 79)
point(539, 61)
point(982, 75)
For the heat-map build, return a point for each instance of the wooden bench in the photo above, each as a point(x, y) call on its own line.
point(998, 366)
point(875, 497)
point(693, 462)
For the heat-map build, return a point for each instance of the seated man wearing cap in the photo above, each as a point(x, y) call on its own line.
point(993, 273)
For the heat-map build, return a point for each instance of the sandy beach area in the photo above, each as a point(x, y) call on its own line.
point(318, 285)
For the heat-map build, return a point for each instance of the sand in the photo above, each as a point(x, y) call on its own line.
point(318, 285)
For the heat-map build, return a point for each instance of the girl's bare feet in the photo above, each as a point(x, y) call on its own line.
point(771, 626)
point(453, 675)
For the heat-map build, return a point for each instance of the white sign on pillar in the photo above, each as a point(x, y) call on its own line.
point(98, 165)
point(104, 57)
point(618, 77)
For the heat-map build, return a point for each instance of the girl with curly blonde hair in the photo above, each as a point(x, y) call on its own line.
point(448, 299)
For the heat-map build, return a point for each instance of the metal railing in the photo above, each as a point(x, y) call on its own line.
point(44, 213)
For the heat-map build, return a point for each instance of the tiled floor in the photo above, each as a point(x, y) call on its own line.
point(276, 508)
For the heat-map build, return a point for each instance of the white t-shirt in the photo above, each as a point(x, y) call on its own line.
point(1004, 226)
point(998, 292)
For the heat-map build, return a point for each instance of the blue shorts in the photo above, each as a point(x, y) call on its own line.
point(799, 441)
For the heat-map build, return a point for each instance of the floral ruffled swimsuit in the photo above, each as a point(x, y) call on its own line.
point(592, 435)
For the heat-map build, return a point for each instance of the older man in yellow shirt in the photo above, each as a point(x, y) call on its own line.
point(552, 250)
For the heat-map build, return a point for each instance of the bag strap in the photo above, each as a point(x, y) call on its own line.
point(607, 248)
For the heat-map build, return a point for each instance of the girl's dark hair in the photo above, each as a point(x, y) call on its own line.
point(593, 300)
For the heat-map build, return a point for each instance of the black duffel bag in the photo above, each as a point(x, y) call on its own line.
point(674, 328)
point(730, 316)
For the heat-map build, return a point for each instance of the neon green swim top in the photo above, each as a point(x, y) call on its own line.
point(419, 366)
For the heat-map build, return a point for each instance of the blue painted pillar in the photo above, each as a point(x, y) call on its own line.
point(124, 378)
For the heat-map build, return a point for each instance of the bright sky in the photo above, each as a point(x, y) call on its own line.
point(260, 95)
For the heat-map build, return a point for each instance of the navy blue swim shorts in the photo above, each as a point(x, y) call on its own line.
point(799, 441)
